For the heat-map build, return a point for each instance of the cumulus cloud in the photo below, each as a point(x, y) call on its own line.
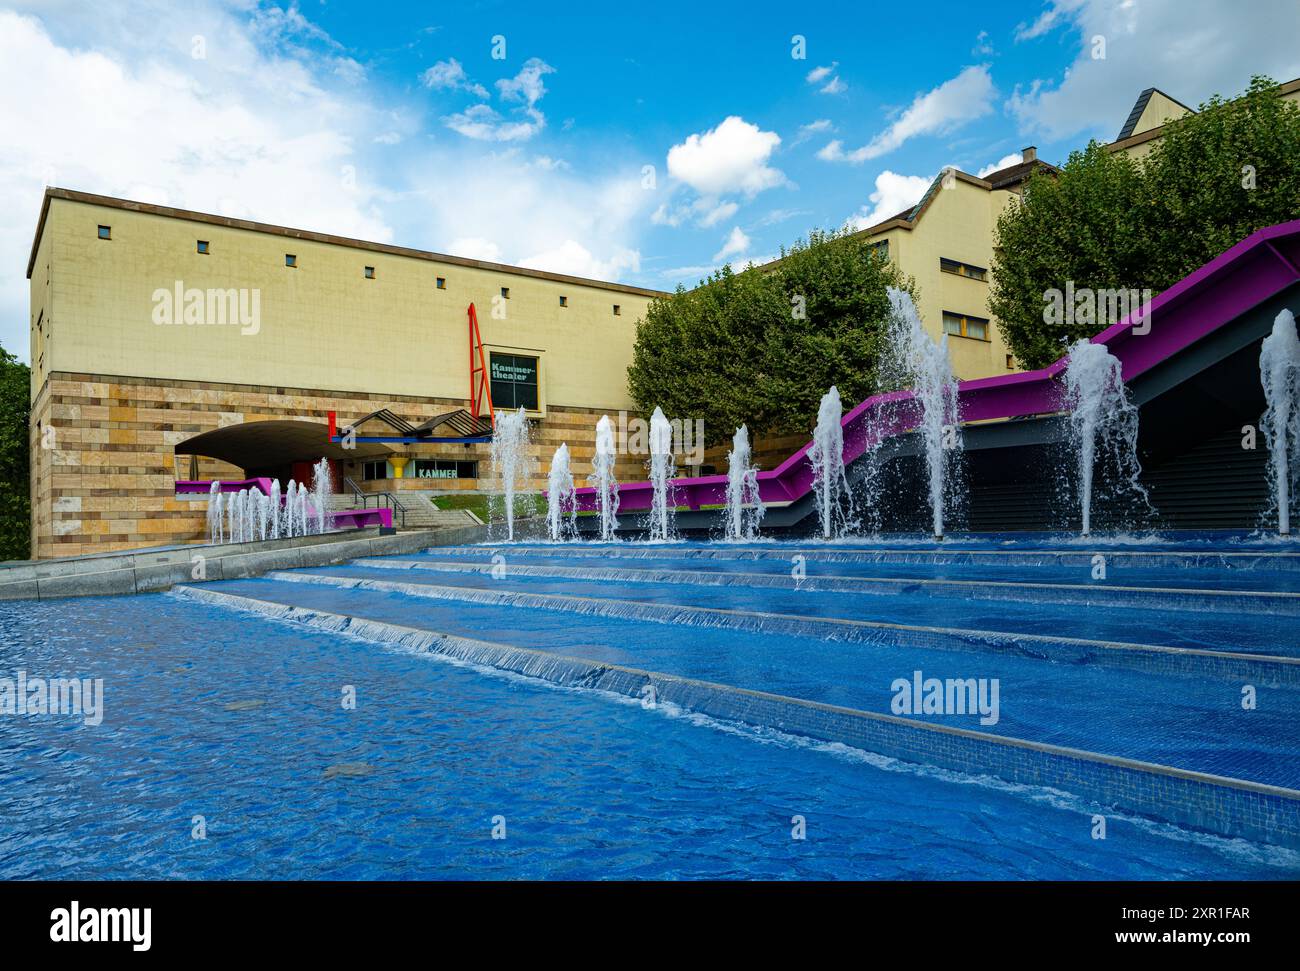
point(736, 244)
point(1002, 163)
point(730, 158)
point(267, 127)
point(484, 123)
point(1191, 49)
point(954, 103)
point(893, 194)
point(527, 85)
point(449, 75)
point(474, 248)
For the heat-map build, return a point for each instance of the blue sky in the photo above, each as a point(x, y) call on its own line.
point(647, 143)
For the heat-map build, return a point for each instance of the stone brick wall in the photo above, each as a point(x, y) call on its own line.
point(106, 481)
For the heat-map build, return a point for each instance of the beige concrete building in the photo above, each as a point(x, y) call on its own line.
point(945, 242)
point(1154, 109)
point(169, 345)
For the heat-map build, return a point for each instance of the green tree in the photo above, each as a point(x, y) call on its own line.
point(15, 392)
point(1108, 222)
point(761, 347)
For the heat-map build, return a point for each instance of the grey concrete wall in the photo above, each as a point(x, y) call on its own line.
point(117, 574)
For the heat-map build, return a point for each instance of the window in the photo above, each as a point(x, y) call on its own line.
point(202, 247)
point(505, 293)
point(370, 273)
point(618, 311)
point(963, 325)
point(290, 260)
point(882, 248)
point(105, 232)
point(445, 469)
point(963, 269)
point(514, 381)
point(441, 283)
point(1011, 363)
point(371, 471)
point(564, 301)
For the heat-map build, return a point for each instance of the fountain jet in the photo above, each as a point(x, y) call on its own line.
point(1103, 421)
point(602, 478)
point(1279, 371)
point(662, 508)
point(744, 509)
point(561, 509)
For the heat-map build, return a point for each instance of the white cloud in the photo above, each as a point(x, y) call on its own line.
point(735, 244)
point(718, 214)
point(484, 123)
point(730, 158)
point(983, 47)
point(475, 248)
point(269, 128)
point(819, 74)
point(527, 85)
point(955, 102)
point(575, 259)
point(1047, 21)
point(1006, 160)
point(893, 194)
point(1190, 49)
point(449, 75)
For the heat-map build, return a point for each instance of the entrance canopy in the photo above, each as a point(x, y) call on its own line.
point(266, 444)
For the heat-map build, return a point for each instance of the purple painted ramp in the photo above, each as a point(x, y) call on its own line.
point(1257, 268)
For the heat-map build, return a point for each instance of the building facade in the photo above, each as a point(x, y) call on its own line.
point(169, 345)
point(945, 243)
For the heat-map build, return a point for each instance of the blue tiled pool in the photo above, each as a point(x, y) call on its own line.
point(640, 750)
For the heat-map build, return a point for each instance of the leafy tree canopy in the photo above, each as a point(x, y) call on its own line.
point(762, 346)
point(15, 391)
point(1109, 222)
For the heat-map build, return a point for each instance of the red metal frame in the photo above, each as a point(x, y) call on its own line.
point(479, 388)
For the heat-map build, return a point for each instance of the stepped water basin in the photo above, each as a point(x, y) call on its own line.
point(698, 699)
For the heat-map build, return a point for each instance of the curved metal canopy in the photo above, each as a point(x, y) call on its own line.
point(262, 444)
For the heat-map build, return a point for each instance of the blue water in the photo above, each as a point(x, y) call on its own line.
point(590, 786)
point(1181, 721)
point(216, 712)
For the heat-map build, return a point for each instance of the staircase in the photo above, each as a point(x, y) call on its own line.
point(421, 513)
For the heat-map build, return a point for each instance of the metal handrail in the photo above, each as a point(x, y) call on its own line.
point(385, 499)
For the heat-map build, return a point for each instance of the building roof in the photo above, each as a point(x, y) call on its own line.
point(1015, 174)
point(1126, 141)
point(1001, 179)
point(73, 195)
point(1140, 106)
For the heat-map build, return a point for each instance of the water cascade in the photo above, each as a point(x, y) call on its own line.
point(602, 478)
point(1279, 371)
point(216, 526)
point(250, 515)
point(1103, 422)
point(662, 508)
point(510, 459)
point(830, 484)
point(744, 509)
point(561, 509)
point(923, 364)
point(322, 488)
